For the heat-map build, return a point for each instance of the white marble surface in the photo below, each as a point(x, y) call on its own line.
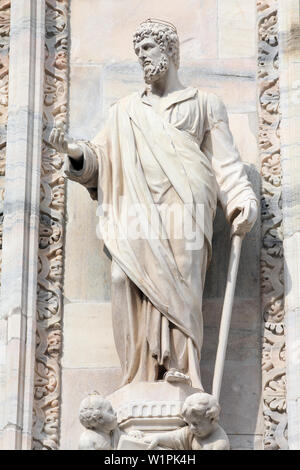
point(289, 24)
point(90, 326)
point(87, 281)
point(21, 222)
point(239, 18)
point(197, 25)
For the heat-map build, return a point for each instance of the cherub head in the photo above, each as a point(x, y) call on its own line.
point(201, 412)
point(156, 43)
point(96, 413)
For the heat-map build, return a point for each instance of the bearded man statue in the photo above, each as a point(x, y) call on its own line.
point(169, 146)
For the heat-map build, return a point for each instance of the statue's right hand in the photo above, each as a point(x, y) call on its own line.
point(64, 144)
point(152, 442)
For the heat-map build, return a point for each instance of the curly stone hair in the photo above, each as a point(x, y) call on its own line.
point(164, 35)
point(91, 410)
point(203, 404)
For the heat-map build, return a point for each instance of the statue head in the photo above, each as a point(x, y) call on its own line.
point(201, 412)
point(96, 413)
point(156, 43)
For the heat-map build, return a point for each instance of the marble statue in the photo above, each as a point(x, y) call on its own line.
point(201, 413)
point(100, 420)
point(101, 426)
point(169, 146)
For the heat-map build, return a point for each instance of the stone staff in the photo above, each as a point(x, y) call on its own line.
point(233, 268)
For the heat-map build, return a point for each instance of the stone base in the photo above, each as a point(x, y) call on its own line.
point(150, 406)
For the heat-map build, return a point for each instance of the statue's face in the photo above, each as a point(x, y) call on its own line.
point(200, 426)
point(109, 418)
point(154, 62)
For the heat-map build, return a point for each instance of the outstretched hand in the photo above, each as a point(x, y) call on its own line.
point(64, 143)
point(246, 218)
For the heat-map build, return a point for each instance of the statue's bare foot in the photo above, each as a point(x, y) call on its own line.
point(174, 375)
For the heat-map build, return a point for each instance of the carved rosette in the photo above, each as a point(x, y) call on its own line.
point(51, 242)
point(4, 61)
point(272, 288)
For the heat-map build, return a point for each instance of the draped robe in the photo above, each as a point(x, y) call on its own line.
point(183, 157)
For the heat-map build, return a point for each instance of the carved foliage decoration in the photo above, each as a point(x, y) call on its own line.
point(50, 269)
point(273, 363)
point(4, 60)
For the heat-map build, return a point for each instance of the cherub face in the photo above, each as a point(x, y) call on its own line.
point(200, 426)
point(109, 418)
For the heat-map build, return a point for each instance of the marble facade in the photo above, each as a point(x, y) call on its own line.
point(229, 47)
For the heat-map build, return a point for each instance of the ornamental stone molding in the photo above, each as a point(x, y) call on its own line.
point(4, 66)
point(51, 235)
point(272, 261)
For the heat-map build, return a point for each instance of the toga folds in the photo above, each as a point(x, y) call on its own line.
point(142, 164)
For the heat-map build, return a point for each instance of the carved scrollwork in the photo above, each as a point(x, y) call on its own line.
point(51, 239)
point(272, 289)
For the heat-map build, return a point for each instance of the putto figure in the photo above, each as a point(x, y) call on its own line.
point(201, 412)
point(168, 146)
point(101, 426)
point(100, 420)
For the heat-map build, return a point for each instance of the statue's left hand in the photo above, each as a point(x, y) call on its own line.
point(246, 218)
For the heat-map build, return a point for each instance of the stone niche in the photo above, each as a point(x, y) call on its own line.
point(218, 54)
point(61, 63)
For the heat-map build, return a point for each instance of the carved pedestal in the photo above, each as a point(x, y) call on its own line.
point(150, 406)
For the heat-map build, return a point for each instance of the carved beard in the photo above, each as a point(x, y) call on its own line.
point(154, 72)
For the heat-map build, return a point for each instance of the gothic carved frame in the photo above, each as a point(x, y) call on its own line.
point(272, 260)
point(51, 242)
